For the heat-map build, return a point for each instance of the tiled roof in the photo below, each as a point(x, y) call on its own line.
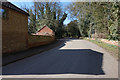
point(11, 6)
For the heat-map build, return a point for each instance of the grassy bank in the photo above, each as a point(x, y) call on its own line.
point(110, 48)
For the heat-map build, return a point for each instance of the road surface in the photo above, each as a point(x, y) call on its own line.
point(74, 58)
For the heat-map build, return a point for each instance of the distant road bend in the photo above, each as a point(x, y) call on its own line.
point(74, 58)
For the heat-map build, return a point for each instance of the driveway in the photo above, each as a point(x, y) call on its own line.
point(74, 58)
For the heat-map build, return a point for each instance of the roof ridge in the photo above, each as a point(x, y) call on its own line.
point(14, 7)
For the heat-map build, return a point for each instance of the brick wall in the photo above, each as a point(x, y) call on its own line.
point(41, 38)
point(14, 31)
point(37, 40)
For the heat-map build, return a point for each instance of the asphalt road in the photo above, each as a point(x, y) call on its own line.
point(74, 58)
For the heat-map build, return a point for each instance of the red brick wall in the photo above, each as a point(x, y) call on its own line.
point(46, 31)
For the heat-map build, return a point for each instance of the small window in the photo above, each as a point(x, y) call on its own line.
point(3, 13)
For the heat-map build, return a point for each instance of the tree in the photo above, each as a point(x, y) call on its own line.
point(46, 13)
point(114, 21)
point(72, 29)
point(32, 23)
point(102, 17)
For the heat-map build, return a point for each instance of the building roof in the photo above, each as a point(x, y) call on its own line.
point(11, 6)
point(45, 33)
point(42, 28)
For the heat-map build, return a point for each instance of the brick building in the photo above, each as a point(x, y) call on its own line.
point(45, 31)
point(14, 28)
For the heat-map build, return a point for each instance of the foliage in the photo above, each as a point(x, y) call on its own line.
point(46, 13)
point(111, 48)
point(97, 17)
point(72, 29)
point(114, 21)
point(32, 25)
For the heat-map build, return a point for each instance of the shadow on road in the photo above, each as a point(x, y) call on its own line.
point(66, 61)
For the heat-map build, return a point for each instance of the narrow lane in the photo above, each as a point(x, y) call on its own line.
point(73, 58)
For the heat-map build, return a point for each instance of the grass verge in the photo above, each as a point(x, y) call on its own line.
point(110, 48)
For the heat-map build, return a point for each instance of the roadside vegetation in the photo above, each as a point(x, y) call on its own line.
point(97, 19)
point(113, 49)
point(48, 14)
point(88, 19)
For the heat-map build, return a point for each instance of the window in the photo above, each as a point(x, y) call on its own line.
point(3, 13)
point(0, 13)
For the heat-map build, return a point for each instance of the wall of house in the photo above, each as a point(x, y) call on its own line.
point(14, 31)
point(15, 35)
point(37, 40)
point(46, 31)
